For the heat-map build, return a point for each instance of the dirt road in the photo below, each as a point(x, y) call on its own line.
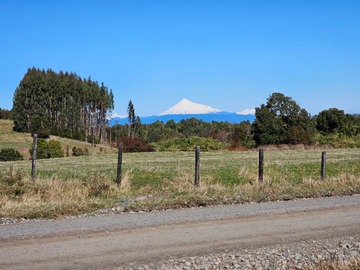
point(107, 242)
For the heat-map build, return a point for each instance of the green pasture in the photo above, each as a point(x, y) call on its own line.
point(227, 168)
point(75, 185)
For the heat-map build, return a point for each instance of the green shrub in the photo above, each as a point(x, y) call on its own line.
point(338, 140)
point(48, 149)
point(189, 144)
point(55, 149)
point(8, 154)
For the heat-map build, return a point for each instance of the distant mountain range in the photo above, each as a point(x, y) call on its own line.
point(186, 109)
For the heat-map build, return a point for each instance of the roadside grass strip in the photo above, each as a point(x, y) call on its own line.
point(75, 185)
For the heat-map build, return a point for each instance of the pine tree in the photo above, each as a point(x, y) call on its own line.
point(131, 117)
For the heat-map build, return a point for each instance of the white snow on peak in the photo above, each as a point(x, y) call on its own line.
point(247, 111)
point(185, 106)
point(115, 115)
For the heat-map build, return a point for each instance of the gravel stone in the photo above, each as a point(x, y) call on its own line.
point(304, 254)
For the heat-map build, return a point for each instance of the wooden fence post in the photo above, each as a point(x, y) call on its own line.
point(323, 165)
point(119, 165)
point(261, 165)
point(197, 165)
point(33, 158)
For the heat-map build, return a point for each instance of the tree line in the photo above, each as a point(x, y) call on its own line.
point(278, 121)
point(6, 114)
point(63, 104)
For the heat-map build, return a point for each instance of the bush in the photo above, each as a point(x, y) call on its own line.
point(8, 154)
point(92, 139)
point(338, 140)
point(77, 151)
point(55, 149)
point(48, 149)
point(189, 144)
point(133, 144)
point(11, 185)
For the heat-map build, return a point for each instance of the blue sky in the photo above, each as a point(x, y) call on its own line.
point(230, 55)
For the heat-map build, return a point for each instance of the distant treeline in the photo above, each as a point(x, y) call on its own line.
point(160, 131)
point(279, 121)
point(64, 104)
point(6, 114)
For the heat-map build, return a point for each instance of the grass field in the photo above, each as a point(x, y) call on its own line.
point(226, 168)
point(74, 185)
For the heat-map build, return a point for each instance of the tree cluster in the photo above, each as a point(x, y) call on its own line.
point(336, 121)
point(282, 121)
point(64, 104)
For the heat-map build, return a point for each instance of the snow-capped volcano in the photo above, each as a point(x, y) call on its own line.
point(186, 109)
point(185, 106)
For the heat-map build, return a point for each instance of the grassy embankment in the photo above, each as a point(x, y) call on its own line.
point(74, 185)
point(23, 141)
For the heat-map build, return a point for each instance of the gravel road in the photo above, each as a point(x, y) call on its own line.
point(224, 237)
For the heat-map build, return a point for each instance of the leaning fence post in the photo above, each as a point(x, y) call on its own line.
point(33, 158)
point(261, 165)
point(323, 165)
point(197, 166)
point(119, 165)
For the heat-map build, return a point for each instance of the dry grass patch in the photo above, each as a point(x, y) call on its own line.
point(54, 197)
point(351, 264)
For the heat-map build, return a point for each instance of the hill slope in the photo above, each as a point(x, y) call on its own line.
point(23, 141)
